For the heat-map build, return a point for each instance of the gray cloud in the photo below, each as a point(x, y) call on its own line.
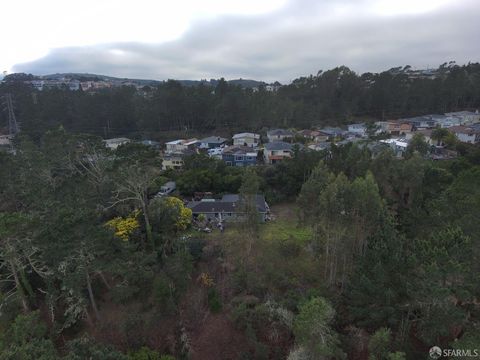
point(299, 39)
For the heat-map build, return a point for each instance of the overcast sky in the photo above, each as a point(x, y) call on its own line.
point(260, 39)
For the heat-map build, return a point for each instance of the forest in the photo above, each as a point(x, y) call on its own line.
point(367, 256)
point(334, 97)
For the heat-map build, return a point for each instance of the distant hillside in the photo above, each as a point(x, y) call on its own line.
point(246, 83)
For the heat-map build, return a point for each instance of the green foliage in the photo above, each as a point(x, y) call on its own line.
point(417, 145)
point(86, 348)
point(214, 301)
point(312, 328)
point(26, 339)
point(145, 353)
point(378, 289)
point(380, 345)
point(163, 292)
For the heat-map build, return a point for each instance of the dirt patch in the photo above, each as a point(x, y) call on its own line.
point(217, 338)
point(285, 211)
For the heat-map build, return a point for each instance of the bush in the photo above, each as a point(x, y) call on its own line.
point(214, 302)
point(146, 353)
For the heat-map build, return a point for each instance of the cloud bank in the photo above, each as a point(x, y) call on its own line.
point(298, 39)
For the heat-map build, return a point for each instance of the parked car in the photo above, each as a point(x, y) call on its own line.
point(166, 189)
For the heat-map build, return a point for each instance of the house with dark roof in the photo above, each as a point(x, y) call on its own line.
point(279, 135)
point(332, 132)
point(239, 155)
point(359, 129)
point(420, 122)
point(277, 151)
point(211, 142)
point(229, 208)
point(151, 143)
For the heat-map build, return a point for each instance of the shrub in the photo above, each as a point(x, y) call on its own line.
point(214, 302)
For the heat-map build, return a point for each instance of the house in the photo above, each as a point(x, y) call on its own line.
point(239, 155)
point(332, 132)
point(114, 143)
point(174, 160)
point(5, 140)
point(321, 137)
point(228, 208)
point(309, 134)
point(180, 145)
point(247, 139)
point(419, 122)
point(399, 146)
point(320, 146)
point(382, 127)
point(211, 142)
point(37, 84)
point(279, 135)
point(277, 151)
point(151, 143)
point(466, 117)
point(466, 134)
point(445, 121)
point(74, 85)
point(358, 129)
point(398, 127)
point(427, 134)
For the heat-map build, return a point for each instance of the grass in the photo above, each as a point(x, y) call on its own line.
point(284, 227)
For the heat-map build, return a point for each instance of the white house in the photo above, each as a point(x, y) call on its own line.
point(466, 134)
point(5, 140)
point(115, 142)
point(466, 117)
point(445, 121)
point(358, 129)
point(248, 139)
point(399, 146)
point(180, 145)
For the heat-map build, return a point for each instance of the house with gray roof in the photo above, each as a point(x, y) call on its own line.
point(277, 151)
point(279, 135)
point(229, 208)
point(211, 142)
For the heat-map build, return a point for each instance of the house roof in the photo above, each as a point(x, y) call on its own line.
point(308, 132)
point(182, 142)
point(116, 140)
point(150, 143)
point(332, 131)
point(279, 132)
point(463, 130)
point(229, 203)
point(246, 134)
point(213, 140)
point(278, 145)
point(357, 125)
point(239, 150)
point(462, 113)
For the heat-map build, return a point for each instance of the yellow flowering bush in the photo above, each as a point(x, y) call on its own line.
point(124, 227)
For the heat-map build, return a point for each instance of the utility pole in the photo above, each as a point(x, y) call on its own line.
point(13, 128)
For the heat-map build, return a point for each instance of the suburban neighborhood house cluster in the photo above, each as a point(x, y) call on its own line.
point(249, 149)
